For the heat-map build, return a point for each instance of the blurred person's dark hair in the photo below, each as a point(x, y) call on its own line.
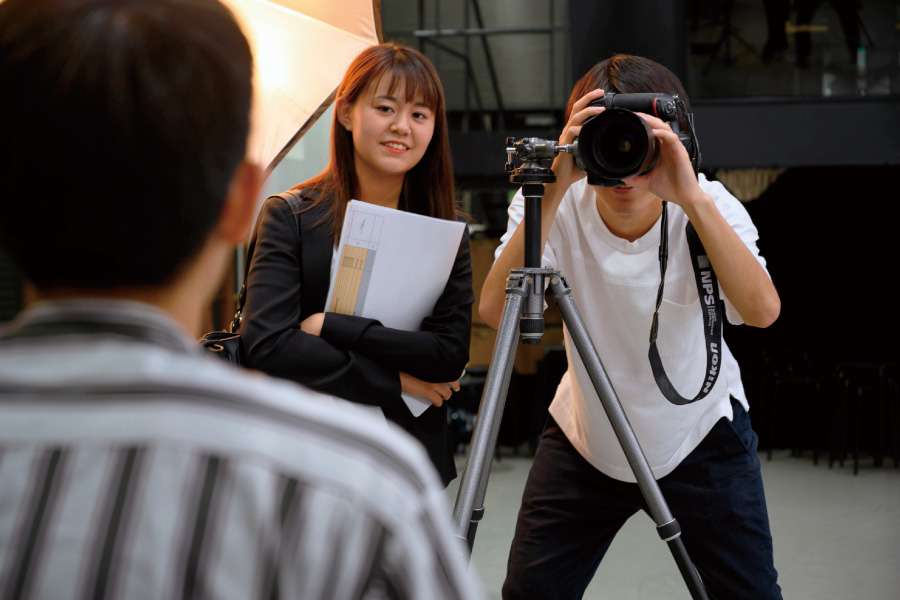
point(121, 125)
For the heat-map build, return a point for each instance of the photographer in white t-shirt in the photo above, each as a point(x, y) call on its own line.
point(605, 241)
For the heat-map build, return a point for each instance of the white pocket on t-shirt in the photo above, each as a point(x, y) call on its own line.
point(682, 345)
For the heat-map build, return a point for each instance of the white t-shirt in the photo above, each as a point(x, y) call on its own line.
point(614, 285)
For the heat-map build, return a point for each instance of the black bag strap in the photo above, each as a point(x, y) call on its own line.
point(708, 291)
point(289, 196)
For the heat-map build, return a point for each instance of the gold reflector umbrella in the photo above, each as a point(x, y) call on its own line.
point(301, 50)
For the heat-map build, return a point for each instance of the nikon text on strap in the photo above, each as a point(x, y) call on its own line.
point(708, 291)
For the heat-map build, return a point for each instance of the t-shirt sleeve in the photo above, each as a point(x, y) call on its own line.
point(737, 216)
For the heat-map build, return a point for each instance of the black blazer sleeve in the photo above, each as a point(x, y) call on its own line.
point(273, 310)
point(439, 351)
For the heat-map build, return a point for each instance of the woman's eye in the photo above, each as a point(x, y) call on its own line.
point(384, 108)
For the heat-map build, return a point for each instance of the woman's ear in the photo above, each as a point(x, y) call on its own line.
point(343, 112)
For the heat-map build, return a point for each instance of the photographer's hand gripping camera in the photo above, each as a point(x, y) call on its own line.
point(614, 145)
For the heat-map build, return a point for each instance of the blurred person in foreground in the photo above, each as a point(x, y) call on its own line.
point(132, 463)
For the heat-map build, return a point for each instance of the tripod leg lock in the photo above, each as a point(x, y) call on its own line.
point(531, 329)
point(477, 514)
point(669, 531)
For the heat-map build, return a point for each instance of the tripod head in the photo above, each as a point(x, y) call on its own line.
point(533, 151)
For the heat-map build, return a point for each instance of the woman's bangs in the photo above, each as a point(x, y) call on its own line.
point(418, 84)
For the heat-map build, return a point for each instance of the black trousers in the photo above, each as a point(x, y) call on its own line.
point(571, 512)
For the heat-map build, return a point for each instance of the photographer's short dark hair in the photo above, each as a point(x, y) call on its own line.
point(629, 74)
point(121, 125)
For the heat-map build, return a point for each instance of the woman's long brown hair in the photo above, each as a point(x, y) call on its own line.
point(428, 188)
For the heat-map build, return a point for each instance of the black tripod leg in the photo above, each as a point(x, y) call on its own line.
point(666, 525)
point(469, 506)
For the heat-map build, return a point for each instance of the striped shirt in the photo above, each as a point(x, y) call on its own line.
point(134, 465)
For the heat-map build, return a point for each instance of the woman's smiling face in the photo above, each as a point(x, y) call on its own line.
point(390, 133)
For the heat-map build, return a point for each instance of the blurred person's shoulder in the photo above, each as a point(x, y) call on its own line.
point(345, 433)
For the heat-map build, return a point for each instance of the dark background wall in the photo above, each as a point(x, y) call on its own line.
point(10, 289)
point(829, 235)
point(830, 238)
point(599, 28)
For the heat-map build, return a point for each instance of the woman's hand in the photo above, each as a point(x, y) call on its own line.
point(436, 393)
point(313, 324)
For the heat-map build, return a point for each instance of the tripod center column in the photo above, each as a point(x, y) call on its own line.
point(534, 193)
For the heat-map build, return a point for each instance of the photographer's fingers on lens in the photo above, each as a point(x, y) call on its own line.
point(576, 122)
point(654, 122)
point(583, 108)
point(585, 100)
point(672, 178)
point(573, 129)
point(663, 131)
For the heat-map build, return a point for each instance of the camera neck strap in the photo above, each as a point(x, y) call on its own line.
point(708, 292)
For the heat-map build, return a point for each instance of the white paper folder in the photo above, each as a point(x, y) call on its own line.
point(392, 266)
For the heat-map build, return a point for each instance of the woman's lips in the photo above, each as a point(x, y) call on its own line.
point(395, 146)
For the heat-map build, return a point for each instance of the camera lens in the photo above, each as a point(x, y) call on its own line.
point(618, 148)
point(617, 144)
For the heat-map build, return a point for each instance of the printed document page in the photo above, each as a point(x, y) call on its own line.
point(392, 266)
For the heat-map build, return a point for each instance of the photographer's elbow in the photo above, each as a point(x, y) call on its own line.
point(772, 313)
point(767, 314)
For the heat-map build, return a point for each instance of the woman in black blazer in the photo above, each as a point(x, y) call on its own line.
point(390, 148)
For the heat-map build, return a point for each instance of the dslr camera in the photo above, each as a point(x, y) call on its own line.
point(618, 144)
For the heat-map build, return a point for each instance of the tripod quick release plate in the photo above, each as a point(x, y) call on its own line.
point(532, 151)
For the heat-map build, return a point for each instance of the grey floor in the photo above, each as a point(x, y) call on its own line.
point(836, 535)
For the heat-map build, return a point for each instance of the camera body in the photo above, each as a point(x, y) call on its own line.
point(618, 144)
